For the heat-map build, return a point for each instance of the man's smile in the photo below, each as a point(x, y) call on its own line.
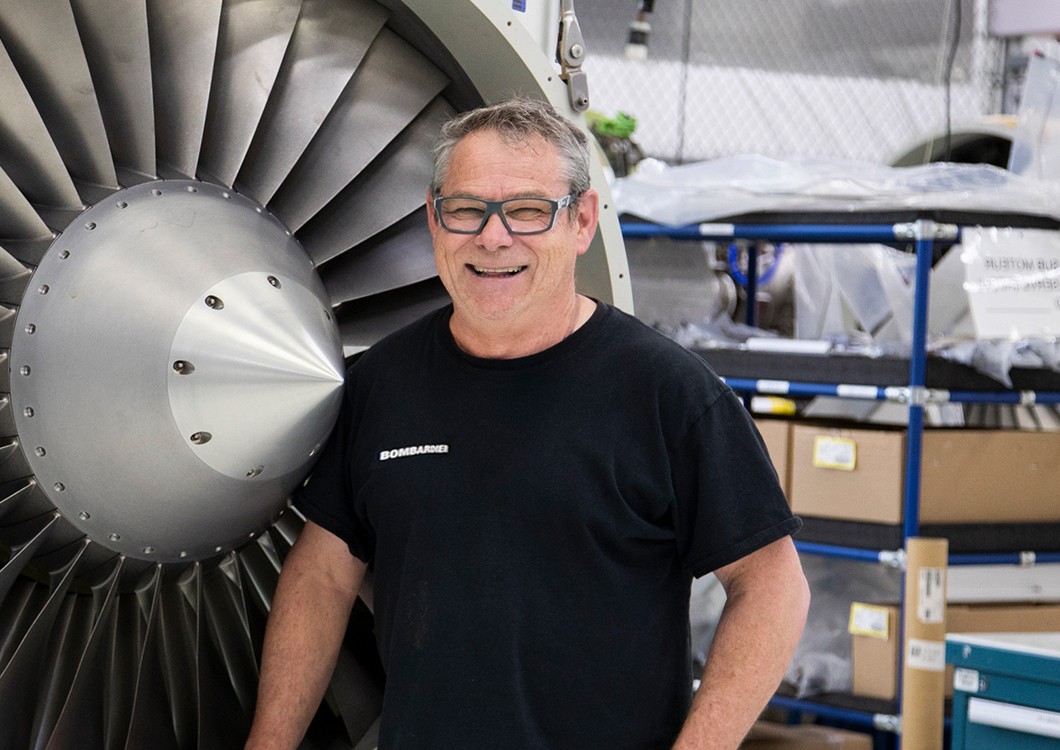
point(495, 273)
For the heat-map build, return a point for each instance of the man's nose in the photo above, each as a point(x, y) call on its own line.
point(494, 234)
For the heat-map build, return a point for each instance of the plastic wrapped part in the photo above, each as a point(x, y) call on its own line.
point(821, 663)
point(676, 282)
point(864, 294)
point(949, 316)
point(997, 358)
point(749, 183)
point(853, 290)
point(896, 271)
point(817, 301)
point(858, 299)
point(712, 334)
point(1035, 143)
point(863, 281)
point(881, 412)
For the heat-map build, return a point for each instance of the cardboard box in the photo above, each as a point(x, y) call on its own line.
point(873, 650)
point(874, 647)
point(967, 476)
point(777, 436)
point(766, 735)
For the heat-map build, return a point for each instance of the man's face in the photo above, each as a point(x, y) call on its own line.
point(495, 275)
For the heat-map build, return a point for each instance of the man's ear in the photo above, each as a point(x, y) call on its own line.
point(432, 220)
point(587, 218)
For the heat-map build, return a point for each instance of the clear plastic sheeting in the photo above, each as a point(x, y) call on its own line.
point(718, 333)
point(1035, 148)
point(996, 359)
point(732, 186)
point(859, 290)
point(821, 663)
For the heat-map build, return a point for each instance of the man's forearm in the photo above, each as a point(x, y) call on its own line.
point(756, 636)
point(302, 640)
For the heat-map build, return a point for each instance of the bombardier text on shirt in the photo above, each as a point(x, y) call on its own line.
point(412, 450)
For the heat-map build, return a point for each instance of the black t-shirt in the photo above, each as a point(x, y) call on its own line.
point(534, 525)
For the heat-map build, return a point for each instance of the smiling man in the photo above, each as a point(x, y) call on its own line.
point(534, 478)
point(501, 253)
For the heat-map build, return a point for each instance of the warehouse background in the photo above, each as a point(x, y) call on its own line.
point(852, 79)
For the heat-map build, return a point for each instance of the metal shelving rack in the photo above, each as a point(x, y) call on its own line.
point(925, 235)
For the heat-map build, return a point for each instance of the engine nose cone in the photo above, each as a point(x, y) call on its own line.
point(253, 375)
point(178, 331)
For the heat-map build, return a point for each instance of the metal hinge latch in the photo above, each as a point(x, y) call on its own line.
point(570, 53)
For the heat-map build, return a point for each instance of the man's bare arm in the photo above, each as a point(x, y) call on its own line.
point(765, 610)
point(316, 591)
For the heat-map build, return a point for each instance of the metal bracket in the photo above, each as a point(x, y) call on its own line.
point(893, 558)
point(570, 53)
point(918, 395)
point(898, 394)
point(925, 229)
point(887, 723)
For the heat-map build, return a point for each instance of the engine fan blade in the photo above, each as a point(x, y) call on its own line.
point(397, 258)
point(329, 42)
point(183, 37)
point(27, 152)
point(20, 671)
point(20, 219)
point(13, 279)
point(116, 43)
point(81, 720)
point(393, 85)
point(44, 44)
point(401, 173)
point(252, 42)
point(365, 321)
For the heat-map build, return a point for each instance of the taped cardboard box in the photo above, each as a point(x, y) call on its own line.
point(874, 637)
point(777, 436)
point(766, 735)
point(967, 476)
point(874, 650)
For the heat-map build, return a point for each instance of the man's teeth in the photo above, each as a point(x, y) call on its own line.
point(497, 271)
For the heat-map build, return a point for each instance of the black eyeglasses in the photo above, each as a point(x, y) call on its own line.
point(519, 215)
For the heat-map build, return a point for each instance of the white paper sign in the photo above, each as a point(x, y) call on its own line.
point(929, 656)
point(931, 596)
point(1012, 278)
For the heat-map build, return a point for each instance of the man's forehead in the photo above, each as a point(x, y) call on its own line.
point(531, 143)
point(486, 161)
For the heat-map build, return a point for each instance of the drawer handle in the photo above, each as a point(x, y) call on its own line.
point(1017, 718)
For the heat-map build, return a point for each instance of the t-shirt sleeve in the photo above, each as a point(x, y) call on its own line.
point(729, 501)
point(326, 498)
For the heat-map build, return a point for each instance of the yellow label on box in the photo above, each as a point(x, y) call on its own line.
point(870, 620)
point(834, 453)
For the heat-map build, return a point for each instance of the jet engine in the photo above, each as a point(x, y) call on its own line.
point(206, 207)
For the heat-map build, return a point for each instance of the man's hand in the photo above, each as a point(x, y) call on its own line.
point(316, 591)
point(759, 628)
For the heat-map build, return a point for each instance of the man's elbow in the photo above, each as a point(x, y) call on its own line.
point(801, 593)
point(796, 583)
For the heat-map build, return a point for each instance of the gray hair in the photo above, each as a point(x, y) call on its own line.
point(517, 120)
